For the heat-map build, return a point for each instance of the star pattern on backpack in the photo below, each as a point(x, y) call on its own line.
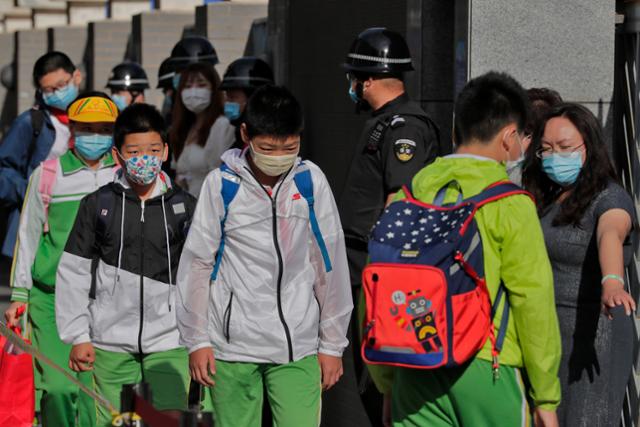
point(409, 228)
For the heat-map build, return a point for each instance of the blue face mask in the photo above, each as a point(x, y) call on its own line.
point(120, 102)
point(176, 81)
point(61, 98)
point(92, 146)
point(353, 95)
point(232, 110)
point(561, 169)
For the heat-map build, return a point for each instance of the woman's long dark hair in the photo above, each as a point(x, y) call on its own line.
point(596, 172)
point(184, 120)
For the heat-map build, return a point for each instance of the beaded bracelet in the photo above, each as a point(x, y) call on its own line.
point(612, 276)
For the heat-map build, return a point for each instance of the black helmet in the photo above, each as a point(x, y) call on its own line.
point(379, 51)
point(247, 73)
point(165, 74)
point(193, 49)
point(128, 76)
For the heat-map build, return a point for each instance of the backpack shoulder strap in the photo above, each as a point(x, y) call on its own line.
point(37, 121)
point(305, 187)
point(45, 186)
point(502, 331)
point(497, 191)
point(105, 205)
point(228, 191)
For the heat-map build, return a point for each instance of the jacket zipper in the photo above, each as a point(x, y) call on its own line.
point(279, 255)
point(141, 277)
point(227, 318)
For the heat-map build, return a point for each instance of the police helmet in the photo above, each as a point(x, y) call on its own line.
point(193, 49)
point(247, 73)
point(128, 76)
point(165, 74)
point(379, 51)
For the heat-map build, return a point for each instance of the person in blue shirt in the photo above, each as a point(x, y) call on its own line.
point(40, 133)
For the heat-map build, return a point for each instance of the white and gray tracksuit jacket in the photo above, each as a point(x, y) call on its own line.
point(272, 300)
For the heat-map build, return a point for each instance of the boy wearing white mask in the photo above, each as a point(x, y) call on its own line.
point(200, 132)
point(121, 319)
point(52, 201)
point(263, 285)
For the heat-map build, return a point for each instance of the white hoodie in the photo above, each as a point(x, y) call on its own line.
point(272, 301)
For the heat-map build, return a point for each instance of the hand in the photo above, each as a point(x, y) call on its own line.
point(545, 418)
point(386, 410)
point(82, 357)
point(11, 315)
point(331, 369)
point(613, 294)
point(202, 365)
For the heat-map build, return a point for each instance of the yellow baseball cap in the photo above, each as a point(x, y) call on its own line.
point(93, 109)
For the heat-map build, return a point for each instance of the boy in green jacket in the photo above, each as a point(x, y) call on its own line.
point(490, 114)
point(50, 208)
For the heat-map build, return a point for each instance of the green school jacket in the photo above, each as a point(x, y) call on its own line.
point(37, 253)
point(514, 251)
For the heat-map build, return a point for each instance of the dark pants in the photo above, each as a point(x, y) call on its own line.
point(354, 401)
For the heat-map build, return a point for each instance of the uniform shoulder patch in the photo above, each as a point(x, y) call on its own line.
point(397, 121)
point(404, 149)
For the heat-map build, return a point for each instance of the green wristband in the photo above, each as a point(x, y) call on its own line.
point(613, 277)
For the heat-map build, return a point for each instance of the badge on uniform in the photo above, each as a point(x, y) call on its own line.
point(404, 149)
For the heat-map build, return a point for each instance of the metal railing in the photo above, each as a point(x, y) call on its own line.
point(626, 151)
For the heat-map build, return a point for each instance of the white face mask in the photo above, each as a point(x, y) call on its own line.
point(514, 167)
point(196, 99)
point(273, 165)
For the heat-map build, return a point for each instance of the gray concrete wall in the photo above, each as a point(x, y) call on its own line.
point(125, 9)
point(80, 13)
point(154, 35)
point(568, 46)
point(45, 18)
point(227, 25)
point(14, 22)
point(73, 42)
point(7, 96)
point(176, 5)
point(29, 46)
point(108, 42)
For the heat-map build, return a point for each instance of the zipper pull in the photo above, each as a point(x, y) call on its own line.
point(495, 368)
point(142, 212)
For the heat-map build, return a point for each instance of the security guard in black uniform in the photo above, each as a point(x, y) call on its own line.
point(191, 50)
point(127, 83)
point(398, 141)
point(165, 82)
point(242, 78)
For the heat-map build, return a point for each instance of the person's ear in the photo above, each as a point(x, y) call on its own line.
point(116, 156)
point(244, 134)
point(508, 135)
point(165, 152)
point(77, 77)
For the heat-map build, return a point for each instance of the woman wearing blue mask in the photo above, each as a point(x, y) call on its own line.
point(586, 217)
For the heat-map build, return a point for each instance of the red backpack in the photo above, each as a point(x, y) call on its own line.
point(428, 305)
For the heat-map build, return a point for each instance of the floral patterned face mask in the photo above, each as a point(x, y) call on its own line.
point(143, 170)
